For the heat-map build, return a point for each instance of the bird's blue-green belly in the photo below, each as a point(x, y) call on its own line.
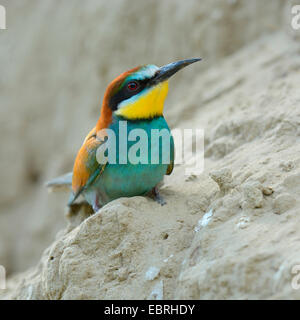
point(127, 180)
point(130, 180)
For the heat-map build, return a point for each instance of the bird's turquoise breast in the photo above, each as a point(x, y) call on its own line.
point(146, 158)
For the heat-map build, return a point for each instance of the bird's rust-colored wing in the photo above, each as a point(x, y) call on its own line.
point(86, 168)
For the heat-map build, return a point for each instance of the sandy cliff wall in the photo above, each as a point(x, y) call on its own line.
point(54, 68)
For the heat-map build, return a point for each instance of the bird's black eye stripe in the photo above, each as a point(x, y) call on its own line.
point(125, 94)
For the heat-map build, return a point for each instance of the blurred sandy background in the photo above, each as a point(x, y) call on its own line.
point(56, 58)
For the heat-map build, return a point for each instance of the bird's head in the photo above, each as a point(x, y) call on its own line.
point(140, 92)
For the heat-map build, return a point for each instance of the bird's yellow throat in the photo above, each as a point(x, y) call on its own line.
point(146, 105)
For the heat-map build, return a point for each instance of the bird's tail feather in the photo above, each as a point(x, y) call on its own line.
point(61, 183)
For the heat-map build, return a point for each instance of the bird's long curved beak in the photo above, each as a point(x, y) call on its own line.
point(165, 72)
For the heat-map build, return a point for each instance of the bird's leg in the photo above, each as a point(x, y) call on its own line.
point(157, 197)
point(96, 205)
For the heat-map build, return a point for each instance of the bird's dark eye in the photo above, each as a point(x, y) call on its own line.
point(132, 86)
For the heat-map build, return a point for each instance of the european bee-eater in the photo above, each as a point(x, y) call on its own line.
point(136, 96)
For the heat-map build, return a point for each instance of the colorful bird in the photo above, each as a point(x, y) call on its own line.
point(134, 100)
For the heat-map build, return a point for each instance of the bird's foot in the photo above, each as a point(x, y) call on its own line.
point(155, 195)
point(96, 208)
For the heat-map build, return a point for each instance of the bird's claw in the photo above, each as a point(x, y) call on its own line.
point(157, 197)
